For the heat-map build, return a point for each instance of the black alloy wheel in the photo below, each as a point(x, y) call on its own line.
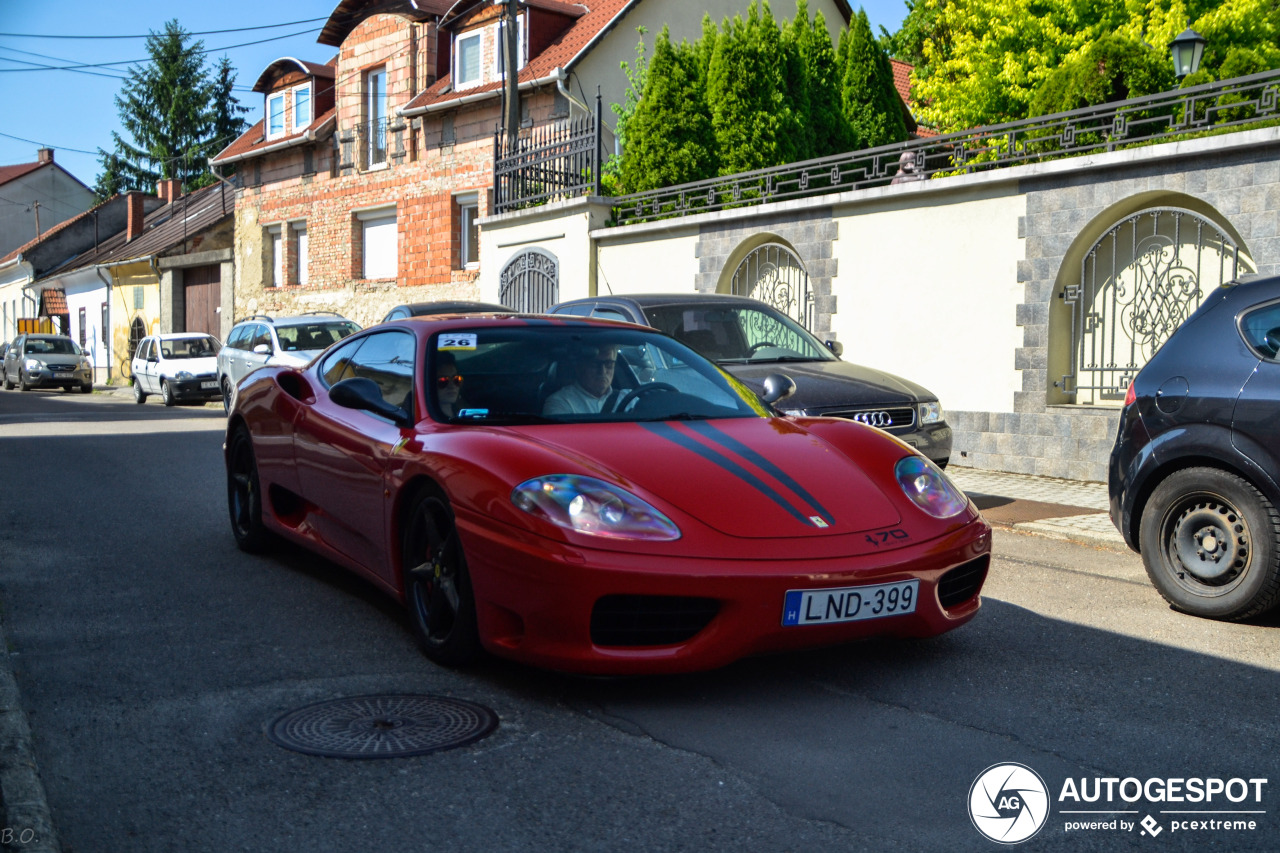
point(438, 591)
point(244, 495)
point(139, 396)
point(1211, 544)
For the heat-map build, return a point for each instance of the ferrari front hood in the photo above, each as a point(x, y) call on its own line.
point(747, 477)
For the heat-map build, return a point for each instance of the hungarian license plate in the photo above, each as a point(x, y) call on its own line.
point(850, 603)
point(209, 386)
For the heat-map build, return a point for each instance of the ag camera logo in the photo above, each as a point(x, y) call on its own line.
point(1008, 803)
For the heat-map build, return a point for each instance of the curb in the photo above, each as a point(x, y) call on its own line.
point(25, 821)
point(1072, 531)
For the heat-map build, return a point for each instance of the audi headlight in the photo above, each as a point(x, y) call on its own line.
point(594, 507)
point(184, 375)
point(928, 487)
point(931, 413)
point(794, 413)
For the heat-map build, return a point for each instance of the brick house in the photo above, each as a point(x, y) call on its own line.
point(362, 186)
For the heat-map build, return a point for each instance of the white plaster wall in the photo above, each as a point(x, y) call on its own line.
point(651, 263)
point(83, 292)
point(930, 292)
point(12, 279)
point(562, 230)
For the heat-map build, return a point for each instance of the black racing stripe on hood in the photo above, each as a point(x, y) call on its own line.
point(717, 435)
point(673, 435)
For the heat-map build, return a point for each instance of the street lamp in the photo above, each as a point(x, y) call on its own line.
point(1187, 49)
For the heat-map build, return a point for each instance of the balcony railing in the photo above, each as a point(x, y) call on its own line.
point(1225, 105)
point(372, 139)
point(548, 163)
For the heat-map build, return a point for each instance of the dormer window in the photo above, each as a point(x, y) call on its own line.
point(275, 115)
point(467, 63)
point(302, 106)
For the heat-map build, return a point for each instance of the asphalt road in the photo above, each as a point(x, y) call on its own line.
point(151, 655)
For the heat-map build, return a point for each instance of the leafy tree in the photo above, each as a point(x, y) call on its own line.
point(175, 114)
point(1113, 68)
point(985, 60)
point(670, 136)
point(867, 96)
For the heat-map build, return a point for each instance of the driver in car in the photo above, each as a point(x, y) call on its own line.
point(592, 391)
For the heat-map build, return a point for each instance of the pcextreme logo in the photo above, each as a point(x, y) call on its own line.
point(1009, 803)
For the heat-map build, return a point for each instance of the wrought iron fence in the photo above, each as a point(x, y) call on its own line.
point(548, 163)
point(1165, 116)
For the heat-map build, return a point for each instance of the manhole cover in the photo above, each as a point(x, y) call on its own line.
point(382, 726)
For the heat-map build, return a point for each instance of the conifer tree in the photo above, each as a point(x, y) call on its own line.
point(743, 93)
point(174, 116)
point(670, 140)
point(868, 99)
point(826, 126)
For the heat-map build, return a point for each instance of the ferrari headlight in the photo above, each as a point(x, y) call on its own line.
point(594, 507)
point(931, 413)
point(928, 487)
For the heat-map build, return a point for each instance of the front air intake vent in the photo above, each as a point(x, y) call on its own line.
point(963, 582)
point(649, 620)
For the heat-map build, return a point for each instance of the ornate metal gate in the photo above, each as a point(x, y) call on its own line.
point(773, 274)
point(530, 282)
point(1137, 284)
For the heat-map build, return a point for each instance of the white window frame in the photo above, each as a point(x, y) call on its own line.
point(478, 37)
point(498, 72)
point(301, 263)
point(275, 240)
point(380, 248)
point(377, 108)
point(465, 202)
point(284, 119)
point(298, 125)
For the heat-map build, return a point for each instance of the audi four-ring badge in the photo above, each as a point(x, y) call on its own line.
point(596, 497)
point(883, 420)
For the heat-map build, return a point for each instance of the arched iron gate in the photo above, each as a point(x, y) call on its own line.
point(772, 273)
point(1138, 283)
point(530, 282)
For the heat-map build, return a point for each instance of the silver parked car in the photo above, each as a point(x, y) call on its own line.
point(259, 340)
point(47, 361)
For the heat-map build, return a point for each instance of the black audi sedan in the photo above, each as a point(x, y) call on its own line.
point(750, 340)
point(1193, 474)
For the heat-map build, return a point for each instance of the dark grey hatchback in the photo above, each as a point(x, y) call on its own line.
point(1193, 474)
point(750, 340)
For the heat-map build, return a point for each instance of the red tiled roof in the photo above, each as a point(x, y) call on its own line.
point(902, 79)
point(12, 173)
point(562, 53)
point(254, 139)
point(55, 302)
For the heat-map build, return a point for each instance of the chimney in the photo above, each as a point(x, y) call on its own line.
point(136, 213)
point(170, 190)
point(45, 155)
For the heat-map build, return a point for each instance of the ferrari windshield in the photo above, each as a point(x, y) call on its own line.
point(576, 374)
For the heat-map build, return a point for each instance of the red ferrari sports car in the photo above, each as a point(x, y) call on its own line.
point(595, 497)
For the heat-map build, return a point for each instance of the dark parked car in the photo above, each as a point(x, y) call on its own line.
point(1193, 475)
point(457, 306)
point(750, 340)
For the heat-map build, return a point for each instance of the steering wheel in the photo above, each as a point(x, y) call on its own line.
point(637, 393)
point(757, 347)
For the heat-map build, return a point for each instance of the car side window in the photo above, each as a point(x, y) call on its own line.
point(336, 365)
point(262, 335)
point(611, 314)
point(238, 336)
point(143, 349)
point(583, 310)
point(1261, 329)
point(387, 359)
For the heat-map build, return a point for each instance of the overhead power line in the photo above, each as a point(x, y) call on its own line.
point(85, 65)
point(149, 35)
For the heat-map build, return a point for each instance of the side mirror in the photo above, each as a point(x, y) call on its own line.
point(364, 395)
point(778, 387)
point(262, 349)
point(836, 347)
